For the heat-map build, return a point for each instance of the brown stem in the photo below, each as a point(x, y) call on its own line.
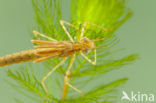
point(65, 90)
point(66, 79)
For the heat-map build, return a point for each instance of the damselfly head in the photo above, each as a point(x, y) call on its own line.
point(88, 44)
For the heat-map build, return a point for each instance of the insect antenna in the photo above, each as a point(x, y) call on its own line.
point(100, 47)
point(95, 40)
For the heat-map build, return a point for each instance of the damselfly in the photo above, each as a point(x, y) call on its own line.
point(62, 49)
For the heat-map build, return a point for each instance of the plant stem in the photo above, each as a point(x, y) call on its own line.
point(65, 90)
point(66, 79)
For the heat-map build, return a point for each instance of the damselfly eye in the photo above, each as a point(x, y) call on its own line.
point(85, 39)
point(87, 51)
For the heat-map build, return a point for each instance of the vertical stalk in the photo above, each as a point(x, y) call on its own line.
point(66, 79)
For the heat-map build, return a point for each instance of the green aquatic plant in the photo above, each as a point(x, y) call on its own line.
point(110, 14)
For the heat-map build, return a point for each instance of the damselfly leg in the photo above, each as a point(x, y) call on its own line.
point(82, 33)
point(36, 33)
point(62, 22)
point(49, 73)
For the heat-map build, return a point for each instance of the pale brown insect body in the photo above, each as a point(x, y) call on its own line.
point(18, 57)
point(50, 49)
point(47, 50)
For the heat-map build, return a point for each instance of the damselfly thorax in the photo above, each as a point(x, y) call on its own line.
point(65, 48)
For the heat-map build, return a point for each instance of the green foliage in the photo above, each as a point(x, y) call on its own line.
point(106, 13)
